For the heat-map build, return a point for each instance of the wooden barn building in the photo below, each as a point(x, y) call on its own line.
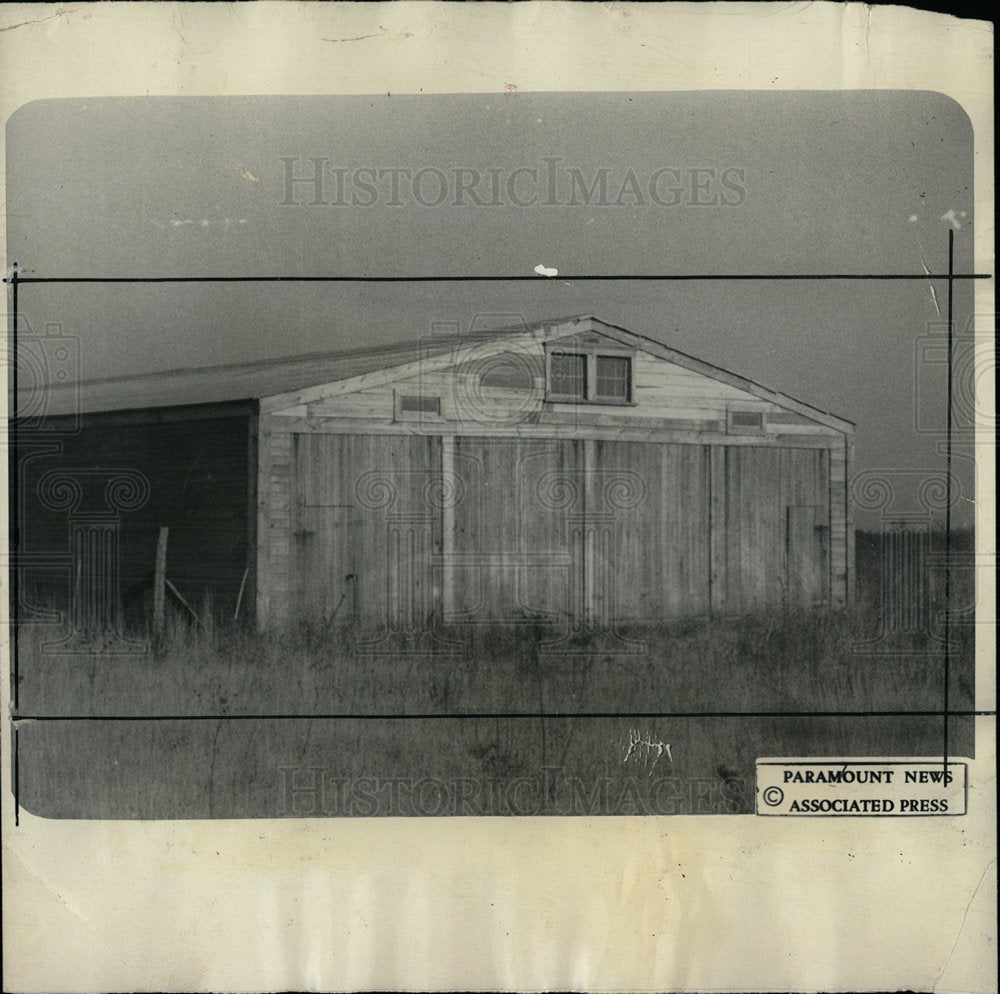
point(567, 471)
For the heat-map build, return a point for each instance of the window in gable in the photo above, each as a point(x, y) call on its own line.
point(591, 376)
point(568, 375)
point(614, 378)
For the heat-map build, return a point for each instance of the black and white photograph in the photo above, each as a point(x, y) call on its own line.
point(389, 459)
point(486, 454)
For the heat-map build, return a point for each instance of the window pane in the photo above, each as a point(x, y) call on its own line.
point(613, 377)
point(569, 375)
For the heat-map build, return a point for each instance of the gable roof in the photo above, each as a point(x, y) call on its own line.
point(723, 375)
point(284, 381)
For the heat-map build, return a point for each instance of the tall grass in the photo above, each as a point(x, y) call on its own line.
point(592, 692)
point(773, 660)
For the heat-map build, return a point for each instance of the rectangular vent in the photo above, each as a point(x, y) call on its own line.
point(746, 419)
point(415, 404)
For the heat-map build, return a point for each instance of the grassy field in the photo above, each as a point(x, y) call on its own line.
point(505, 719)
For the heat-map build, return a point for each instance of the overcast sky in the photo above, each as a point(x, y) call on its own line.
point(650, 183)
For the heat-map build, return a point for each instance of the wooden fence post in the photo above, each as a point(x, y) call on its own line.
point(159, 582)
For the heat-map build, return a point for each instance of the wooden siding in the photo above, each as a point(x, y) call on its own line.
point(392, 530)
point(274, 497)
point(514, 551)
point(654, 498)
point(726, 520)
point(659, 431)
point(198, 473)
point(770, 524)
point(365, 528)
point(841, 524)
point(665, 394)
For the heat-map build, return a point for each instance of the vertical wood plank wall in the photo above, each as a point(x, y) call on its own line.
point(498, 527)
point(365, 526)
point(657, 498)
point(841, 525)
point(763, 487)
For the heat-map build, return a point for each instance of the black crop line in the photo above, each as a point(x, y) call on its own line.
point(16, 780)
point(574, 278)
point(467, 715)
point(947, 505)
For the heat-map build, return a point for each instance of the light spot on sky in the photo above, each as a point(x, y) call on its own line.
point(226, 222)
point(952, 217)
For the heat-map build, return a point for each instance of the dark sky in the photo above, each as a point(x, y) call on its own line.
point(721, 182)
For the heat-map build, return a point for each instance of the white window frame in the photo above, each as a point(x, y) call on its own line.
point(590, 353)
